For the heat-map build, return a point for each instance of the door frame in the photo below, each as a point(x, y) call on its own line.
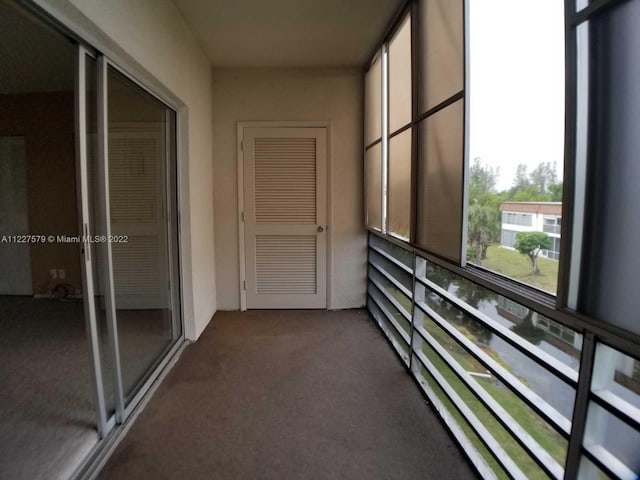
point(25, 278)
point(242, 272)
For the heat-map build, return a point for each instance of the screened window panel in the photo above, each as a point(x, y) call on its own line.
point(373, 169)
point(440, 182)
point(441, 59)
point(400, 77)
point(399, 209)
point(610, 278)
point(373, 102)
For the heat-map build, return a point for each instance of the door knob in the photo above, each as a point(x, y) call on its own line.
point(320, 229)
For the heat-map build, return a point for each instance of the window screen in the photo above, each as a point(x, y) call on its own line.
point(440, 182)
point(373, 102)
point(373, 170)
point(399, 210)
point(400, 77)
point(442, 53)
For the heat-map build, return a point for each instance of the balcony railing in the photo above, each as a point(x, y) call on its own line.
point(551, 254)
point(503, 382)
point(551, 229)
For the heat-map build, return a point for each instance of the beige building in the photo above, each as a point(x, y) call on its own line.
point(532, 217)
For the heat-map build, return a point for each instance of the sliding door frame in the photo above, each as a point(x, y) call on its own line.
point(105, 227)
point(93, 43)
point(123, 409)
point(125, 406)
point(71, 21)
point(105, 425)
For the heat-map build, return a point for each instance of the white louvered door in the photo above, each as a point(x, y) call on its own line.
point(285, 186)
point(137, 212)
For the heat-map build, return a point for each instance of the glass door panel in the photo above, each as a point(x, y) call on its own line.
point(51, 415)
point(140, 152)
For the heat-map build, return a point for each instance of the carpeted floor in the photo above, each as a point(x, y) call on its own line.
point(47, 420)
point(47, 412)
point(288, 395)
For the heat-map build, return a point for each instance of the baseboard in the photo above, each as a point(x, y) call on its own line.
point(75, 296)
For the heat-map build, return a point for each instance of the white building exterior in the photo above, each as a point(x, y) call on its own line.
point(532, 217)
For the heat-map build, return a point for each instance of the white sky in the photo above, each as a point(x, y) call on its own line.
point(516, 84)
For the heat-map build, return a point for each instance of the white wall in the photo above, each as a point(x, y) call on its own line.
point(333, 95)
point(154, 33)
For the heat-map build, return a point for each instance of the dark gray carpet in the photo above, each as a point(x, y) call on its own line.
point(288, 394)
point(47, 411)
point(47, 421)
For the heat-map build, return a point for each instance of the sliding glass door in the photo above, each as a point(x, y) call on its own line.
point(139, 152)
point(129, 157)
point(47, 386)
point(90, 308)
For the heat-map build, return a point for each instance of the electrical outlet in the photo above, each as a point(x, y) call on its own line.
point(53, 273)
point(61, 274)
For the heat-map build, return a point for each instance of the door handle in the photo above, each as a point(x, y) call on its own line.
point(320, 229)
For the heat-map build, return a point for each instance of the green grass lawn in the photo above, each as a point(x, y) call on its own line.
point(543, 433)
point(517, 266)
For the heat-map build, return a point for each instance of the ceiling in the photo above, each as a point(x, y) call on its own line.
point(288, 33)
point(234, 33)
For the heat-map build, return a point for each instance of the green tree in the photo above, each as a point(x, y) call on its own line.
point(483, 228)
point(482, 181)
point(521, 180)
point(527, 330)
point(530, 244)
point(541, 185)
point(529, 194)
point(543, 176)
point(555, 190)
point(484, 210)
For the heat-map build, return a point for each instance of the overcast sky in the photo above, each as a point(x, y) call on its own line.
point(516, 84)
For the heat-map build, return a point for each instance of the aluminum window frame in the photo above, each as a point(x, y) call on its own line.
point(411, 8)
point(541, 298)
point(377, 56)
point(556, 307)
point(560, 308)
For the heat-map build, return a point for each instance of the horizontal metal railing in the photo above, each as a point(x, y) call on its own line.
point(551, 229)
point(387, 276)
point(539, 454)
point(456, 431)
point(384, 317)
point(391, 299)
point(617, 406)
point(533, 400)
point(391, 259)
point(476, 425)
point(392, 321)
point(608, 462)
point(392, 279)
point(554, 366)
